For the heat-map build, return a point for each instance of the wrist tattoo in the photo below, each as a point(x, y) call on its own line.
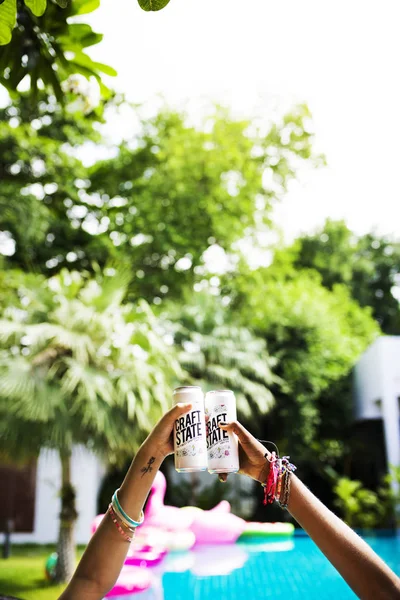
point(148, 468)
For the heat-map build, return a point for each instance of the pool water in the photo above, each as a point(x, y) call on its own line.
point(290, 570)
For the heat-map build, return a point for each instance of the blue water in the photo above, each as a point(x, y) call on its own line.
point(290, 570)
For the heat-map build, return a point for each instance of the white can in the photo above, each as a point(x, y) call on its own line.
point(190, 432)
point(222, 447)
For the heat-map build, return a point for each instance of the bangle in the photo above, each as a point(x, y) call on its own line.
point(131, 523)
point(127, 538)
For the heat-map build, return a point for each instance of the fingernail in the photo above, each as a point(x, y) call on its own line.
point(184, 405)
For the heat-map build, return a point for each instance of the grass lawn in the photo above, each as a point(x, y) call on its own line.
point(22, 575)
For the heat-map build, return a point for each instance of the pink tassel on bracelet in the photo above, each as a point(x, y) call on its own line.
point(270, 485)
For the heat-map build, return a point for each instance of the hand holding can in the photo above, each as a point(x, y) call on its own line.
point(222, 446)
point(190, 432)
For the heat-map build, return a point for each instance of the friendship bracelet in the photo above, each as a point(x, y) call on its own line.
point(277, 486)
point(289, 468)
point(127, 538)
point(122, 514)
point(284, 499)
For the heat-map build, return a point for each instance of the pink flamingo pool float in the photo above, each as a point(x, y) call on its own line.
point(215, 526)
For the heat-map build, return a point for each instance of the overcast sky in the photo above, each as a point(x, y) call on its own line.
point(340, 57)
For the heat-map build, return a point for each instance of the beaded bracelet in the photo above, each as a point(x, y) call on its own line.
point(127, 538)
point(131, 523)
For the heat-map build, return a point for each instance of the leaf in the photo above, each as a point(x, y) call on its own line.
point(62, 3)
point(85, 61)
point(36, 6)
point(153, 5)
point(106, 69)
point(49, 76)
point(83, 7)
point(8, 17)
point(78, 36)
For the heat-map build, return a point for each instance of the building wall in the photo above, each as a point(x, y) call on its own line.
point(87, 473)
point(377, 390)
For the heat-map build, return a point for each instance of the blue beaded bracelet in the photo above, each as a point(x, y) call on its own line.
point(118, 509)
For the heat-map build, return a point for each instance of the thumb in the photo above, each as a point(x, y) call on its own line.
point(179, 409)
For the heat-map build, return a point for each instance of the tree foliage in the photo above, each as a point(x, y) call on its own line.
point(369, 266)
point(217, 352)
point(168, 195)
point(46, 46)
point(317, 336)
point(78, 366)
point(360, 507)
point(42, 180)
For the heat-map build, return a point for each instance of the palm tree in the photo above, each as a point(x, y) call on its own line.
point(77, 366)
point(217, 352)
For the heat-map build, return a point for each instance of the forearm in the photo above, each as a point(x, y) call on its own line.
point(364, 571)
point(104, 557)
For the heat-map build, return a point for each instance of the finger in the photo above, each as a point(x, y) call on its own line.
point(176, 411)
point(207, 418)
point(244, 436)
point(223, 477)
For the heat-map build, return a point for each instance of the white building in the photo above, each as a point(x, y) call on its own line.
point(377, 391)
point(87, 473)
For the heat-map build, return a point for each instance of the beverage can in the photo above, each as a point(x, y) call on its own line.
point(222, 447)
point(190, 432)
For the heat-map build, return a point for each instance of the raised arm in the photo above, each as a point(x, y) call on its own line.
point(366, 573)
point(104, 557)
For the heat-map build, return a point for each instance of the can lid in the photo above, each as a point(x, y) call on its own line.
point(187, 387)
point(220, 392)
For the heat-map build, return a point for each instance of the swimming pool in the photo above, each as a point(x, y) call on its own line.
point(290, 570)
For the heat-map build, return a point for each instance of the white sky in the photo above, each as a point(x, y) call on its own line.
point(340, 57)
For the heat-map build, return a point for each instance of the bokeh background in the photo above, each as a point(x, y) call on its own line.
point(203, 195)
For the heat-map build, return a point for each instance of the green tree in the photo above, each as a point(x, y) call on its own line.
point(217, 352)
point(167, 196)
point(369, 265)
point(46, 46)
point(43, 182)
point(360, 507)
point(79, 367)
point(317, 335)
point(182, 189)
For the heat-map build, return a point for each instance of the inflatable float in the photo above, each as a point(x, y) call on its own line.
point(132, 580)
point(215, 526)
point(266, 530)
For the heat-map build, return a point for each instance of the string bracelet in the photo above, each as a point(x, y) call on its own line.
point(126, 536)
point(277, 486)
point(126, 519)
point(284, 497)
point(286, 471)
point(270, 484)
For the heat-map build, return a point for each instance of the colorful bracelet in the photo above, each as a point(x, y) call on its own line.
point(131, 523)
point(284, 497)
point(287, 470)
point(277, 486)
point(127, 538)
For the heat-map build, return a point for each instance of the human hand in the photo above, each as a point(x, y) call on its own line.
point(251, 453)
point(160, 439)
